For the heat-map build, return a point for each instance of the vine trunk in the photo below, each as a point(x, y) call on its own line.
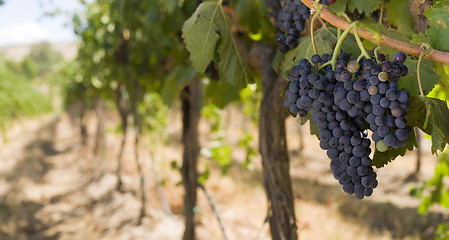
point(273, 149)
point(191, 111)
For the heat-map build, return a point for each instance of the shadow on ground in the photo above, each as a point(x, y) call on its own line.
point(17, 215)
point(378, 216)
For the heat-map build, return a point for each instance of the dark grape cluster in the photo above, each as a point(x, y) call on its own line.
point(342, 103)
point(290, 22)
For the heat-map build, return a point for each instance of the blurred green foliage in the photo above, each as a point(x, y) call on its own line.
point(44, 57)
point(435, 190)
point(18, 97)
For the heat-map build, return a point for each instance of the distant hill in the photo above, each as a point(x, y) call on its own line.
point(17, 53)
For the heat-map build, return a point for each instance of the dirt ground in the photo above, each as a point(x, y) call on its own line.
point(52, 187)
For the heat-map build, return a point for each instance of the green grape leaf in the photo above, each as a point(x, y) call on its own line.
point(438, 32)
point(221, 93)
point(416, 114)
point(419, 38)
point(325, 40)
point(380, 159)
point(312, 125)
point(339, 7)
point(443, 72)
point(430, 115)
point(278, 61)
point(253, 16)
point(207, 34)
point(428, 77)
point(398, 14)
point(169, 5)
point(175, 82)
point(364, 6)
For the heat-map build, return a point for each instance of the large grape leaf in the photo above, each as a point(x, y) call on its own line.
point(312, 125)
point(253, 16)
point(339, 7)
point(221, 93)
point(398, 14)
point(431, 116)
point(419, 38)
point(443, 72)
point(363, 6)
point(428, 77)
point(169, 5)
point(438, 32)
point(325, 40)
point(381, 159)
point(175, 82)
point(207, 34)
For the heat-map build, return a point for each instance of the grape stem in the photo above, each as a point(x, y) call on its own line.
point(338, 46)
point(359, 42)
point(380, 38)
point(418, 68)
point(381, 11)
point(312, 35)
point(376, 50)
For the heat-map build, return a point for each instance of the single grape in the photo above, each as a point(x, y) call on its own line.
point(362, 170)
point(293, 108)
point(344, 141)
point(373, 90)
point(383, 87)
point(353, 97)
point(375, 99)
point(389, 140)
point(380, 120)
point(345, 105)
point(338, 132)
point(358, 188)
point(383, 131)
point(384, 102)
point(383, 76)
point(358, 151)
point(306, 101)
point(401, 134)
point(365, 95)
point(381, 146)
point(374, 80)
point(353, 66)
point(368, 191)
point(400, 122)
point(378, 110)
point(398, 112)
point(402, 96)
point(399, 57)
point(386, 67)
point(315, 59)
point(392, 94)
point(348, 188)
point(375, 70)
point(359, 85)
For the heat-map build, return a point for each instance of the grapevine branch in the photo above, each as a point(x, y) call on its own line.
point(381, 39)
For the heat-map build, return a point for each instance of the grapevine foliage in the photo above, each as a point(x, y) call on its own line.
point(383, 96)
point(208, 29)
point(439, 23)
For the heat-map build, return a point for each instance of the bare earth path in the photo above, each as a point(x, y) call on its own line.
point(51, 187)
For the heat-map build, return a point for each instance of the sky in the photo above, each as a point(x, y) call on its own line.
point(22, 22)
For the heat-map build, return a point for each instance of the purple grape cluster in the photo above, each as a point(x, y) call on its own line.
point(342, 103)
point(290, 22)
